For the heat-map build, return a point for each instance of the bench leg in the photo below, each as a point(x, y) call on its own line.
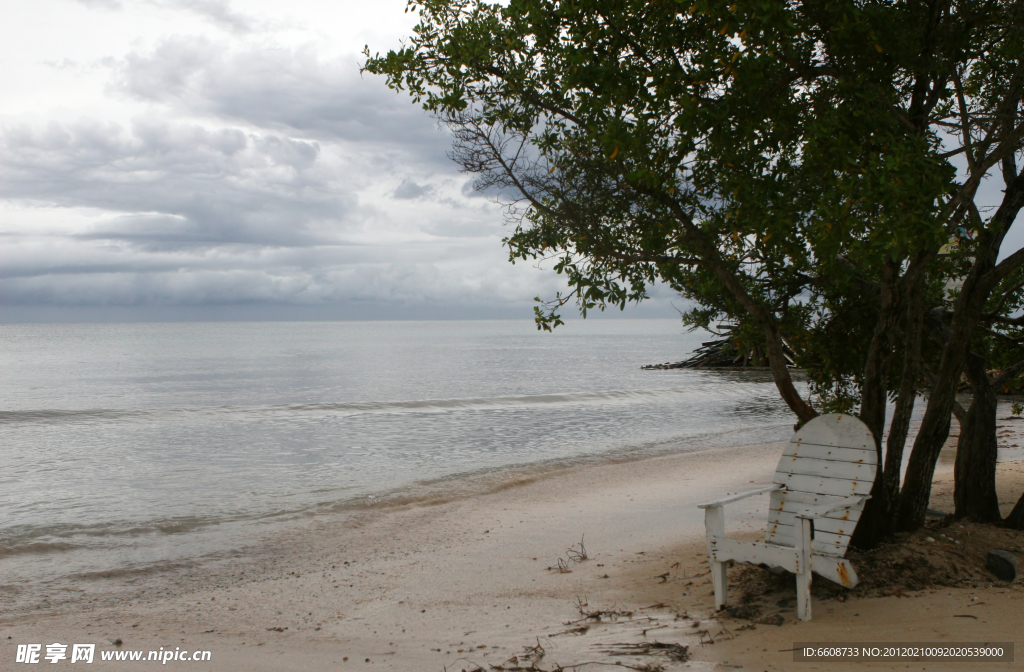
point(714, 522)
point(803, 574)
point(718, 578)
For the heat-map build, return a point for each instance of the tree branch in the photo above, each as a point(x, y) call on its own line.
point(1007, 374)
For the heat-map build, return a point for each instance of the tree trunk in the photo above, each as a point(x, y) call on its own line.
point(979, 283)
point(780, 370)
point(917, 485)
point(764, 318)
point(976, 450)
point(872, 528)
point(899, 427)
point(1016, 517)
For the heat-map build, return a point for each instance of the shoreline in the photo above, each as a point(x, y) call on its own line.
point(434, 571)
point(212, 541)
point(463, 581)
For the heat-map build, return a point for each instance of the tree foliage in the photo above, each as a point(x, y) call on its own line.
point(799, 168)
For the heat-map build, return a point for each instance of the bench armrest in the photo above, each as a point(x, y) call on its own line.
point(822, 511)
point(742, 495)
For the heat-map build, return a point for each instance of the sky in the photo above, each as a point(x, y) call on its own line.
point(207, 159)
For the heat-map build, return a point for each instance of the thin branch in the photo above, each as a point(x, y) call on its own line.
point(1007, 265)
point(1007, 374)
point(1005, 337)
point(965, 125)
point(1002, 301)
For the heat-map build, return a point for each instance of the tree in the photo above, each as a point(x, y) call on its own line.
point(768, 160)
point(986, 119)
point(998, 344)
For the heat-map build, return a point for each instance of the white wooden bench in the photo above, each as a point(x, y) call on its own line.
point(819, 490)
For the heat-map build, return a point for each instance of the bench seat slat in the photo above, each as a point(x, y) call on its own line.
point(806, 500)
point(780, 534)
point(829, 539)
point(789, 504)
point(824, 485)
point(754, 551)
point(856, 455)
point(809, 466)
point(826, 524)
point(818, 547)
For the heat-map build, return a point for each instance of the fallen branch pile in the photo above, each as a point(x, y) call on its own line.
point(725, 354)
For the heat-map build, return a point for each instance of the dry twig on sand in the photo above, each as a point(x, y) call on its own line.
point(580, 630)
point(596, 615)
point(677, 652)
point(707, 638)
point(578, 553)
point(562, 567)
point(512, 666)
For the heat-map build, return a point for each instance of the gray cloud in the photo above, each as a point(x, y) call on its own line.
point(41, 271)
point(286, 89)
point(219, 12)
point(179, 182)
point(104, 4)
point(248, 176)
point(199, 216)
point(409, 190)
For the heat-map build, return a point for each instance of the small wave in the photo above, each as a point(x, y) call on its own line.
point(37, 539)
point(136, 571)
point(61, 415)
point(38, 547)
point(49, 416)
point(485, 403)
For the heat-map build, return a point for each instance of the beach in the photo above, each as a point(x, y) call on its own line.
point(471, 581)
point(414, 336)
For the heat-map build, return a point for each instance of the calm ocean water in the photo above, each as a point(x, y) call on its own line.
point(127, 446)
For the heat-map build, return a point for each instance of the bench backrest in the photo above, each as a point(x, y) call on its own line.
point(831, 457)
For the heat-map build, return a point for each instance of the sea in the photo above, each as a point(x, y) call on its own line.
point(127, 447)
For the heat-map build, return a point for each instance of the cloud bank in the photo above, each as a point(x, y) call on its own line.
point(219, 164)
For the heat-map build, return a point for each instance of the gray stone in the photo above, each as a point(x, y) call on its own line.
point(771, 619)
point(1003, 564)
point(743, 611)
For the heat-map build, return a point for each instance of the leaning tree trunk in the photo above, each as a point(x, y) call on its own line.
point(764, 318)
point(917, 484)
point(976, 450)
point(1016, 517)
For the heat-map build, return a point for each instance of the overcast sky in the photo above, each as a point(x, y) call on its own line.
point(207, 159)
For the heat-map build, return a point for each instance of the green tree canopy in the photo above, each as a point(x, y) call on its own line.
point(788, 165)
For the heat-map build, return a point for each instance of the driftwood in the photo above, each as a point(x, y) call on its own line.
point(724, 354)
